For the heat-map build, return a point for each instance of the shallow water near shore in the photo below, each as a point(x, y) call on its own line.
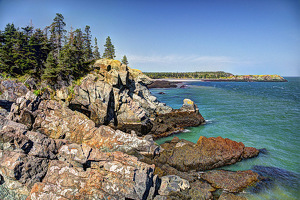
point(259, 114)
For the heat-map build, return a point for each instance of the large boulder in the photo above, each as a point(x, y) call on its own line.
point(168, 123)
point(207, 153)
point(10, 90)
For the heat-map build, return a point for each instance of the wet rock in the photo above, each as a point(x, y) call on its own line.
point(169, 123)
point(230, 181)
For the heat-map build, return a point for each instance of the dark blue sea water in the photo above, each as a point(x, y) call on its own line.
point(259, 114)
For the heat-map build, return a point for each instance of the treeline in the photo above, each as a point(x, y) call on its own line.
point(187, 75)
point(50, 54)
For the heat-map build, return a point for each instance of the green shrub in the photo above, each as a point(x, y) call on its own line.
point(37, 92)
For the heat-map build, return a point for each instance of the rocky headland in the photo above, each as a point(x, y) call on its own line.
point(94, 140)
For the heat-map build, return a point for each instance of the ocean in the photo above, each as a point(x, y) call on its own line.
point(264, 115)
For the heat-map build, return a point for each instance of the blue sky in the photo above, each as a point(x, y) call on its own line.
point(237, 36)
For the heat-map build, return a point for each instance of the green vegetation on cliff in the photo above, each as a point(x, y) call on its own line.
point(51, 54)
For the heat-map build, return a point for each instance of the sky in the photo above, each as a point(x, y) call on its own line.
point(237, 36)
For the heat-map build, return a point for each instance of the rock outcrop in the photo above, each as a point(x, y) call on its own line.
point(187, 116)
point(117, 95)
point(207, 153)
point(57, 121)
point(109, 176)
point(9, 91)
point(43, 168)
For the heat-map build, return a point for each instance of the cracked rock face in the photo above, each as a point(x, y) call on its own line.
point(57, 121)
point(44, 168)
point(112, 175)
point(116, 95)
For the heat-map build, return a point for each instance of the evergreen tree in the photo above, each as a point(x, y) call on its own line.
point(124, 60)
point(7, 44)
point(51, 71)
point(88, 54)
point(96, 54)
point(57, 33)
point(109, 51)
point(39, 48)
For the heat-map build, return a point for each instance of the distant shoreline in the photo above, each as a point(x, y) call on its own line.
point(179, 83)
point(215, 80)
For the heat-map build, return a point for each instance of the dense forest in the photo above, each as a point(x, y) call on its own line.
point(50, 54)
point(186, 75)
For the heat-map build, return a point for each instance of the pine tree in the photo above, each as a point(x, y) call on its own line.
point(39, 48)
point(6, 50)
point(124, 60)
point(96, 54)
point(88, 54)
point(57, 33)
point(51, 72)
point(109, 51)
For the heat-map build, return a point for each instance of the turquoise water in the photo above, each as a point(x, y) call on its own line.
point(261, 115)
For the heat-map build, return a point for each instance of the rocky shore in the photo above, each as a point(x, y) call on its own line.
point(94, 140)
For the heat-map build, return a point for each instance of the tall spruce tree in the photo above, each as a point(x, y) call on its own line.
point(124, 60)
point(109, 51)
point(51, 72)
point(88, 53)
point(57, 33)
point(96, 54)
point(6, 50)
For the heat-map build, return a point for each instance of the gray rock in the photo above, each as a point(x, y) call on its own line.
point(172, 183)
